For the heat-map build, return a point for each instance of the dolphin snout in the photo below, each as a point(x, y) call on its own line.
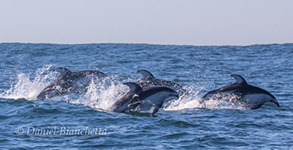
point(41, 96)
point(275, 102)
point(174, 94)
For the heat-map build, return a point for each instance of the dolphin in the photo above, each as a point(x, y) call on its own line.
point(148, 80)
point(68, 82)
point(249, 96)
point(140, 100)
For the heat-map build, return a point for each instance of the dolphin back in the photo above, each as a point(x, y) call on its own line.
point(247, 95)
point(149, 80)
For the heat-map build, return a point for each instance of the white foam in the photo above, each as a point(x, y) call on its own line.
point(28, 86)
point(102, 95)
point(192, 100)
point(223, 101)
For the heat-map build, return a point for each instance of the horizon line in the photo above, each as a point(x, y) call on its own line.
point(142, 43)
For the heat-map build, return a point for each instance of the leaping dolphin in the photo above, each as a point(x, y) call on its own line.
point(141, 100)
point(250, 96)
point(148, 80)
point(68, 82)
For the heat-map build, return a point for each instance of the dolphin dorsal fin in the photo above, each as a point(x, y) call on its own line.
point(239, 79)
point(146, 75)
point(134, 87)
point(63, 71)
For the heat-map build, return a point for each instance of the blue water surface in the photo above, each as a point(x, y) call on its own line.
point(83, 121)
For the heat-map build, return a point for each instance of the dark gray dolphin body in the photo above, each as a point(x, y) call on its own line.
point(68, 82)
point(250, 96)
point(140, 100)
point(148, 80)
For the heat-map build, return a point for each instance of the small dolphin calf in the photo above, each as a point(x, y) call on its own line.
point(250, 96)
point(142, 100)
point(148, 80)
point(68, 82)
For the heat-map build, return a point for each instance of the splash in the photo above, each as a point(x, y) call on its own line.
point(192, 100)
point(28, 86)
point(103, 94)
point(224, 101)
point(187, 101)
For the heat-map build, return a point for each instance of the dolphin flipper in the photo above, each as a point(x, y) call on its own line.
point(143, 107)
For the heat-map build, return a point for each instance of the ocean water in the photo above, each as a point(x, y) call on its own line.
point(83, 121)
